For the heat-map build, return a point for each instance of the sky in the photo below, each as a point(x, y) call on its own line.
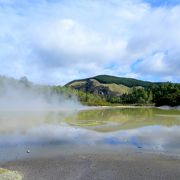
point(56, 41)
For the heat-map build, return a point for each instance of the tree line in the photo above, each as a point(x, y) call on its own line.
point(162, 94)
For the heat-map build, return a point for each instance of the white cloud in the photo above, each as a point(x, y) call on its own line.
point(54, 42)
point(161, 63)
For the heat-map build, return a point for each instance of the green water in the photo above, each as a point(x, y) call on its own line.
point(114, 119)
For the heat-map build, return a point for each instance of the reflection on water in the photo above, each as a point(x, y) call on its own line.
point(107, 120)
point(59, 131)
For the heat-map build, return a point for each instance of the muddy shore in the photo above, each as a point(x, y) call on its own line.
point(123, 166)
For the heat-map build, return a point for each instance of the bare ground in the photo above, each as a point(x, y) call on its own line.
point(99, 167)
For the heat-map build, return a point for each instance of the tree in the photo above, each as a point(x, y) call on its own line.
point(24, 80)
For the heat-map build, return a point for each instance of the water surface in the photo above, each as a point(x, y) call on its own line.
point(48, 133)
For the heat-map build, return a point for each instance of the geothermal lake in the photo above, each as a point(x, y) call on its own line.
point(31, 134)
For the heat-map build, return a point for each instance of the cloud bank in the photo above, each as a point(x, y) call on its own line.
point(53, 41)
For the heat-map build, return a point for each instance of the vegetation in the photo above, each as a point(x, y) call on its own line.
point(129, 82)
point(98, 92)
point(117, 90)
point(84, 97)
point(137, 96)
point(162, 94)
point(166, 94)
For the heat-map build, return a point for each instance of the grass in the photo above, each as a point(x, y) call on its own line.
point(77, 83)
point(121, 89)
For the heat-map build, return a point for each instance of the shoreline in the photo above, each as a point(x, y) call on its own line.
point(134, 106)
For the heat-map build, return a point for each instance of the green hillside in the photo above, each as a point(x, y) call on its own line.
point(95, 86)
point(129, 82)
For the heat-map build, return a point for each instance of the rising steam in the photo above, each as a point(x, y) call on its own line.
point(23, 95)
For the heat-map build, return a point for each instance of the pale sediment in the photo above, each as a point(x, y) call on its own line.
point(9, 175)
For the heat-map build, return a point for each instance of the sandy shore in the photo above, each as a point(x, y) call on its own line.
point(123, 166)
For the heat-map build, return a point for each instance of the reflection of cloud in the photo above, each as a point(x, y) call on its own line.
point(49, 134)
point(158, 137)
point(149, 138)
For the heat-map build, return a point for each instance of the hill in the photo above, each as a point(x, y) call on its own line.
point(105, 85)
point(106, 79)
point(122, 90)
point(95, 87)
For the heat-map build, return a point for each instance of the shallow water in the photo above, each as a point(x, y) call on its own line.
point(46, 133)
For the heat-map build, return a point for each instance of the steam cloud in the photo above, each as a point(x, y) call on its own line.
point(23, 95)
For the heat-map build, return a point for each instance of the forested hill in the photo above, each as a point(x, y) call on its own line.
point(120, 90)
point(129, 82)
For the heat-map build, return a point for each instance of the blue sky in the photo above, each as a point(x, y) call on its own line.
point(157, 3)
point(56, 41)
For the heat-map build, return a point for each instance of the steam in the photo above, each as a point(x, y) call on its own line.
point(23, 95)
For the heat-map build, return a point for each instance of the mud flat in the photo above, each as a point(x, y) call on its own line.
point(124, 166)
